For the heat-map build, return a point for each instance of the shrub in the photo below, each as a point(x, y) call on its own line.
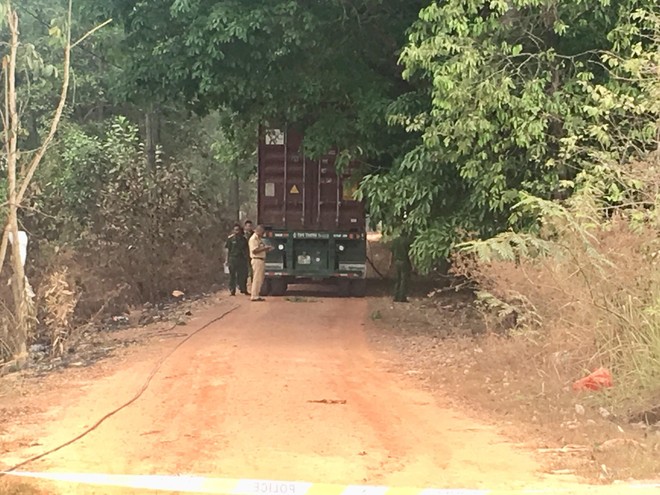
point(586, 285)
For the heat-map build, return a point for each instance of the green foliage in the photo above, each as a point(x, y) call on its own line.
point(510, 247)
point(128, 227)
point(102, 196)
point(589, 264)
point(329, 67)
point(94, 65)
point(591, 277)
point(519, 101)
point(145, 213)
point(501, 104)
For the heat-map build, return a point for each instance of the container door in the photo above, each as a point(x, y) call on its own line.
point(272, 193)
point(328, 200)
point(293, 171)
point(297, 193)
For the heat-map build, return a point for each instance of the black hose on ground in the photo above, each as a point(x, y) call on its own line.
point(144, 388)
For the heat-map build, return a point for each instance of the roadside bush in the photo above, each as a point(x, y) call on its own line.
point(107, 231)
point(58, 303)
point(585, 289)
point(582, 286)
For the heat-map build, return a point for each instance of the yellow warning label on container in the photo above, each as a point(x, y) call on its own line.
point(294, 190)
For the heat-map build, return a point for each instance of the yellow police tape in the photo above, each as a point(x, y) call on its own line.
point(227, 486)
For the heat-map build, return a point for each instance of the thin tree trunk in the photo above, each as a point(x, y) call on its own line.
point(237, 193)
point(18, 186)
point(152, 131)
point(19, 340)
point(34, 163)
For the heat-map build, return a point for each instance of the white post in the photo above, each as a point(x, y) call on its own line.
point(22, 246)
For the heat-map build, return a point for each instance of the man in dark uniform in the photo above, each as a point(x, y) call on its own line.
point(237, 259)
point(401, 258)
point(248, 227)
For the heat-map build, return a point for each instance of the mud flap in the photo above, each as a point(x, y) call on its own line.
point(278, 287)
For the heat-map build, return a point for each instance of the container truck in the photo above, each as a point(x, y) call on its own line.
point(307, 207)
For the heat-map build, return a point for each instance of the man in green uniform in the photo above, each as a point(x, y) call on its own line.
point(401, 258)
point(237, 260)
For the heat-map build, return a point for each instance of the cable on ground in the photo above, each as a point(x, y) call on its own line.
point(142, 390)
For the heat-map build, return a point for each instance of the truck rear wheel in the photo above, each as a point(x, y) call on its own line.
point(278, 287)
point(358, 288)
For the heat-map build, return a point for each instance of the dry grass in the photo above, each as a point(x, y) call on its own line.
point(77, 287)
point(442, 344)
point(9, 487)
point(58, 304)
point(594, 303)
point(583, 294)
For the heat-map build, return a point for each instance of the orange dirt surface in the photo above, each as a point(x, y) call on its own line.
point(277, 390)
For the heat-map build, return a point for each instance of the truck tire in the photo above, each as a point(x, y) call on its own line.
point(358, 288)
point(278, 287)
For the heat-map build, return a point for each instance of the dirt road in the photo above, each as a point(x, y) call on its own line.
point(277, 390)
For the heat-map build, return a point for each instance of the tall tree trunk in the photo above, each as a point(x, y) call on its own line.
point(17, 187)
point(152, 131)
point(556, 124)
point(99, 111)
point(237, 194)
point(11, 125)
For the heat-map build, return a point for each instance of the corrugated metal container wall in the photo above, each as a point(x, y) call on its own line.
point(296, 193)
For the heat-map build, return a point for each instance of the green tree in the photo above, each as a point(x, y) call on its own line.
point(20, 172)
point(95, 69)
point(504, 104)
point(330, 67)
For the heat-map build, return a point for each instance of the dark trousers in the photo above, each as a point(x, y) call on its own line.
point(402, 284)
point(237, 275)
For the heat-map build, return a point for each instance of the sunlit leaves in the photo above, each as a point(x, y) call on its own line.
point(519, 103)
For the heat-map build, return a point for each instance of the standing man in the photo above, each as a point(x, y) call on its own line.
point(249, 230)
point(237, 256)
point(258, 250)
point(401, 258)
